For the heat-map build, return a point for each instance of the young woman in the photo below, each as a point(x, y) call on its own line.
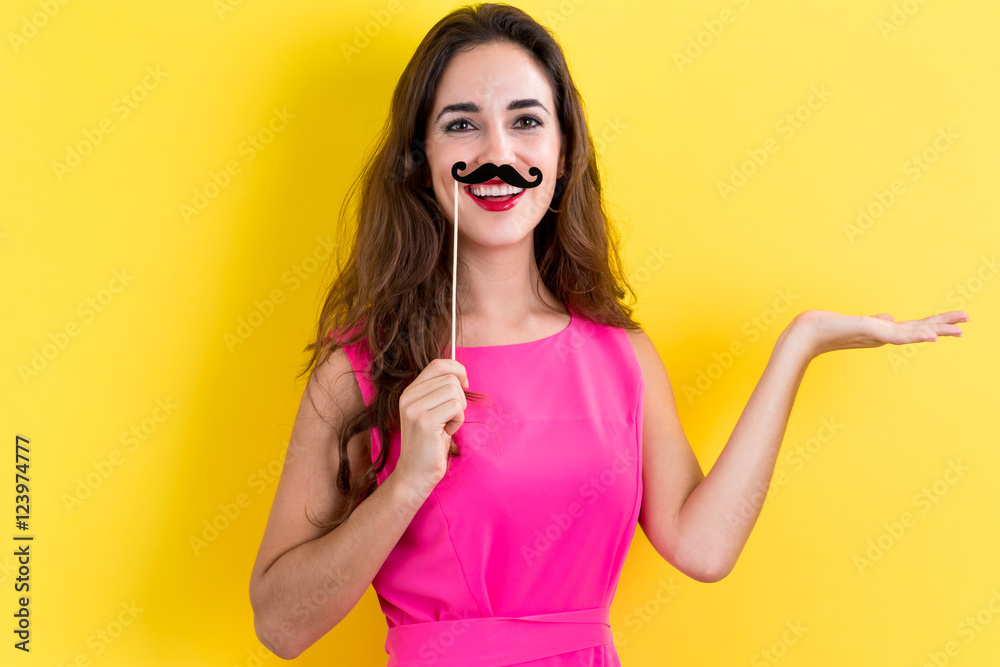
point(491, 499)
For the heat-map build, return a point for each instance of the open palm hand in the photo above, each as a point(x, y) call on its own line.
point(828, 330)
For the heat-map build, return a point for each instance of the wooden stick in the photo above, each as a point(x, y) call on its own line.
point(454, 273)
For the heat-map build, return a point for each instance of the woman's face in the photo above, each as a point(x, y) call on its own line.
point(486, 81)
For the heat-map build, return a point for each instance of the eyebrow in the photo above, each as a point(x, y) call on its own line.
point(470, 107)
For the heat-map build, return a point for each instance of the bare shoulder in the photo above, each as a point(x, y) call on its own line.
point(648, 357)
point(656, 383)
point(337, 384)
point(333, 394)
point(640, 341)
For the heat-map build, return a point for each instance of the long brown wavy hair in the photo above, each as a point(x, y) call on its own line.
point(393, 289)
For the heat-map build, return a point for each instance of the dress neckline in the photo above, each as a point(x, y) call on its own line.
point(572, 320)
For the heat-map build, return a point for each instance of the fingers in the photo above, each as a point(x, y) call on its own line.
point(949, 317)
point(943, 324)
point(443, 366)
point(928, 328)
point(913, 331)
point(930, 332)
point(434, 385)
point(902, 333)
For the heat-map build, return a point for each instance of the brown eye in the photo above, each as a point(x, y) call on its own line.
point(451, 126)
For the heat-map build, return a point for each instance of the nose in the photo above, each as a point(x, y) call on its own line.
point(497, 147)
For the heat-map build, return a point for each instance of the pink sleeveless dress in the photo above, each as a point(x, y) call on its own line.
point(515, 556)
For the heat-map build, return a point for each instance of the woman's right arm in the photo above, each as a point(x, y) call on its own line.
point(306, 579)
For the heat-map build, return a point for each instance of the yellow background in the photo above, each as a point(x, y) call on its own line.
point(669, 132)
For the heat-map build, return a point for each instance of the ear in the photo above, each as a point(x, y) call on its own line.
point(562, 159)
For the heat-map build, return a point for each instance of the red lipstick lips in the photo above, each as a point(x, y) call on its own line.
point(498, 205)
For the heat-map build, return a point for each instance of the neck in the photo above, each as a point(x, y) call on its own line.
point(503, 285)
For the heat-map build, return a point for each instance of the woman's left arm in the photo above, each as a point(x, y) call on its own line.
point(714, 522)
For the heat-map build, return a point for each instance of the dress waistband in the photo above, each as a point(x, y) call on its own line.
point(496, 640)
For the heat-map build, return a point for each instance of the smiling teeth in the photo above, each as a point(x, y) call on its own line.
point(493, 190)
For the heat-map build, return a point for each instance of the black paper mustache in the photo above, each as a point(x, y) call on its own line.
point(489, 171)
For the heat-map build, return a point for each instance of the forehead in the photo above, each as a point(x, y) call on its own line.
point(491, 75)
